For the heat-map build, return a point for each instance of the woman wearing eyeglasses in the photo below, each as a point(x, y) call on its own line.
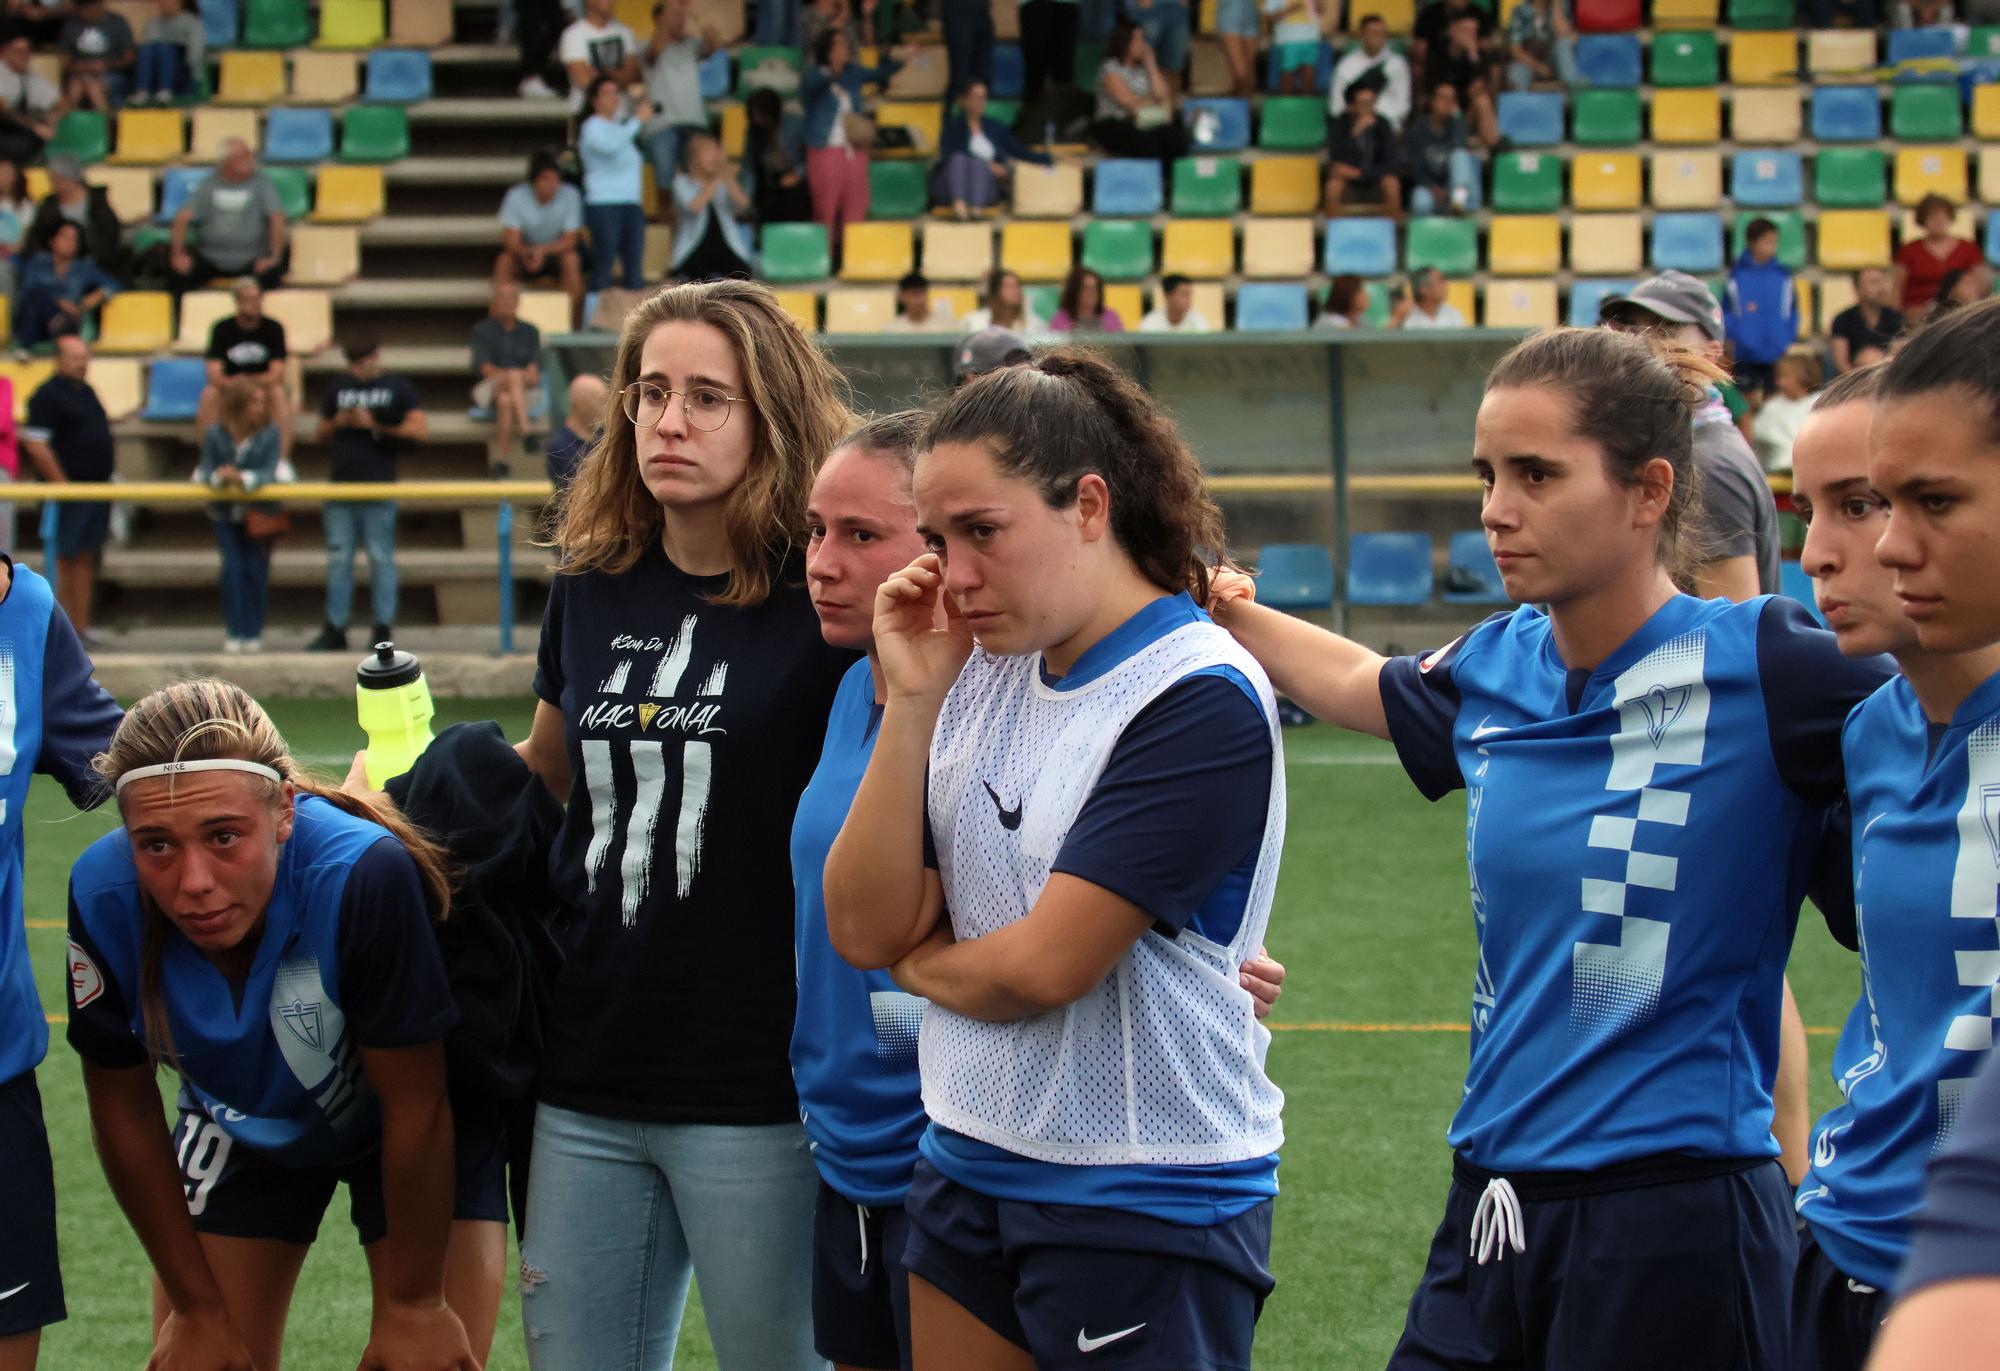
point(683, 693)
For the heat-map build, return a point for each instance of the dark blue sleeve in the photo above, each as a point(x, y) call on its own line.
point(392, 983)
point(78, 715)
point(957, 136)
point(1013, 148)
point(1181, 803)
point(1420, 699)
point(1810, 688)
point(100, 1022)
point(1958, 1229)
point(549, 675)
point(1830, 883)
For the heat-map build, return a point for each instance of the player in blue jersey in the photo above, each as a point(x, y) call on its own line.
point(854, 1044)
point(269, 938)
point(54, 717)
point(1646, 777)
point(1086, 774)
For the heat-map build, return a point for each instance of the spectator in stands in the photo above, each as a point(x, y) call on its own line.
point(1082, 308)
point(916, 312)
point(1433, 27)
point(30, 104)
point(1462, 59)
point(613, 195)
point(1135, 109)
point(1372, 55)
point(1760, 316)
point(68, 439)
point(570, 441)
point(1922, 14)
point(1541, 44)
point(1870, 322)
point(10, 462)
point(41, 21)
point(774, 160)
point(597, 45)
point(711, 237)
point(72, 200)
point(60, 290)
point(240, 222)
point(1239, 26)
point(541, 225)
point(16, 211)
point(98, 56)
point(1922, 263)
point(968, 42)
point(1003, 304)
point(821, 17)
point(1346, 303)
point(1175, 312)
point(507, 357)
point(370, 417)
point(1441, 168)
point(170, 52)
point(975, 156)
point(1364, 160)
point(540, 25)
point(672, 59)
point(1795, 384)
point(249, 345)
point(838, 134)
point(1426, 303)
point(1958, 288)
point(240, 451)
point(1298, 33)
point(1048, 46)
point(1168, 28)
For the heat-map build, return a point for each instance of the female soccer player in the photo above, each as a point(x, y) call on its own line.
point(1099, 802)
point(270, 939)
point(1646, 778)
point(683, 692)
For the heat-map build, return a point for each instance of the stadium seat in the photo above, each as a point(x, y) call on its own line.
point(417, 23)
point(1471, 578)
point(1986, 110)
point(1605, 245)
point(1796, 584)
point(374, 133)
point(298, 136)
point(117, 383)
point(1531, 118)
point(209, 128)
point(876, 252)
point(1761, 14)
point(327, 255)
point(350, 24)
point(1204, 249)
point(137, 321)
point(1010, 72)
point(1930, 171)
point(1208, 67)
point(1122, 187)
point(1271, 307)
point(1610, 61)
point(1520, 304)
point(1690, 242)
point(1841, 52)
point(397, 76)
point(84, 135)
point(276, 24)
point(1608, 118)
point(1360, 247)
point(1585, 296)
point(1765, 116)
point(1766, 180)
point(348, 195)
point(1836, 293)
point(324, 78)
point(1278, 248)
point(1684, 14)
point(1989, 176)
point(1527, 182)
point(1846, 114)
point(201, 310)
point(294, 189)
point(1686, 59)
point(1524, 245)
point(1687, 116)
point(897, 190)
point(1607, 16)
point(1218, 125)
point(859, 311)
point(1983, 41)
point(1389, 569)
point(128, 189)
point(1791, 226)
point(1926, 114)
point(1687, 179)
point(173, 388)
point(1295, 576)
point(1764, 59)
point(1850, 178)
point(802, 305)
point(148, 136)
point(655, 257)
point(547, 310)
point(1450, 245)
point(1599, 180)
point(250, 78)
point(1207, 186)
point(175, 187)
point(1127, 300)
point(761, 68)
point(1993, 238)
point(1048, 192)
point(1932, 50)
point(925, 122)
point(1119, 249)
point(1037, 252)
point(795, 252)
point(923, 75)
point(1802, 287)
point(1284, 185)
point(1850, 239)
point(1293, 123)
point(307, 316)
point(221, 20)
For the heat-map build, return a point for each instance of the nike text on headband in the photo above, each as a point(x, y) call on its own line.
point(140, 773)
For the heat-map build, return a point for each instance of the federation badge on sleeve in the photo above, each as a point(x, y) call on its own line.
point(86, 982)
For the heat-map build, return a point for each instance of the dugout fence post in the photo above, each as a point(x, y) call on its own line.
point(49, 536)
point(506, 523)
point(1336, 390)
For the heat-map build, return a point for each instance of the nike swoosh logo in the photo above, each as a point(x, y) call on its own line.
point(1483, 730)
point(1010, 819)
point(1086, 1343)
point(9, 1294)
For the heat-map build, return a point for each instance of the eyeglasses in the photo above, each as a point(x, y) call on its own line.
point(706, 407)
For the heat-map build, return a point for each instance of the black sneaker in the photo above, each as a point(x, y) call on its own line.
point(380, 633)
point(330, 639)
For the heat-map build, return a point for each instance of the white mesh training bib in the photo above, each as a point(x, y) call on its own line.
point(1162, 1063)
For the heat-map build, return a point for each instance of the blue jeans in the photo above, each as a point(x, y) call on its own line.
point(1464, 176)
point(968, 42)
point(621, 1214)
point(616, 231)
point(245, 581)
point(1562, 56)
point(162, 70)
point(1166, 25)
point(778, 23)
point(371, 523)
point(965, 177)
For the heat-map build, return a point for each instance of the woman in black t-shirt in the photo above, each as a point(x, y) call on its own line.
point(684, 690)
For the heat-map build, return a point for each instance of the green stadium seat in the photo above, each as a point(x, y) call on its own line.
point(795, 252)
point(1006, 111)
point(374, 133)
point(1850, 178)
point(1450, 245)
point(1686, 59)
point(1983, 41)
point(1762, 14)
point(294, 189)
point(1293, 123)
point(897, 190)
point(1207, 187)
point(1926, 113)
point(1606, 118)
point(276, 24)
point(82, 134)
point(1791, 235)
point(1527, 182)
point(767, 68)
point(1119, 249)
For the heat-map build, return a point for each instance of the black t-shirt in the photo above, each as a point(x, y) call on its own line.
point(691, 729)
point(246, 351)
point(1433, 24)
point(359, 455)
point(67, 416)
point(1448, 67)
point(1850, 324)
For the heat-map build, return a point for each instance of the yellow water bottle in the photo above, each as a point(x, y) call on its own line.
point(395, 706)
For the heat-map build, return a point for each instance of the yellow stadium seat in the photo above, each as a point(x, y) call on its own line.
point(1284, 185)
point(6, 316)
point(1211, 302)
point(1463, 297)
point(1963, 225)
point(117, 383)
point(876, 252)
point(1278, 248)
point(213, 127)
point(802, 305)
point(925, 121)
point(1604, 180)
point(1399, 15)
point(1766, 116)
point(1803, 289)
point(723, 18)
point(1524, 245)
point(1687, 116)
point(1837, 53)
point(1989, 176)
point(1687, 179)
point(136, 13)
point(1930, 171)
point(27, 377)
point(350, 24)
point(923, 76)
point(957, 252)
point(38, 183)
point(735, 129)
point(1129, 302)
point(425, 23)
point(347, 195)
point(148, 136)
point(201, 310)
point(136, 321)
point(1763, 59)
point(330, 254)
point(1853, 238)
point(1685, 14)
point(1520, 304)
point(1836, 293)
point(307, 316)
point(1986, 110)
point(636, 15)
point(958, 301)
point(1201, 248)
point(323, 78)
point(547, 310)
point(251, 78)
point(658, 254)
point(1605, 244)
point(859, 311)
point(1048, 192)
point(1037, 252)
point(129, 189)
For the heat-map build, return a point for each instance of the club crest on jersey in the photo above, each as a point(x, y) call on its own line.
point(303, 1020)
point(1989, 815)
point(86, 982)
point(1661, 707)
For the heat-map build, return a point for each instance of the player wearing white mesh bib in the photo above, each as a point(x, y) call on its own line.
point(1103, 817)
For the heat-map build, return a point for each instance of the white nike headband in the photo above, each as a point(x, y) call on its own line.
point(140, 773)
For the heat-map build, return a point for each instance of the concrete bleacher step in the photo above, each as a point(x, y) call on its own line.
point(433, 230)
point(458, 171)
point(486, 111)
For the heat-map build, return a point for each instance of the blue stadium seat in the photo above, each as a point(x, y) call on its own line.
point(1766, 179)
point(1471, 578)
point(1919, 45)
point(1389, 569)
point(1129, 186)
point(1793, 581)
point(299, 135)
point(219, 21)
point(1586, 296)
point(1227, 131)
point(1846, 114)
point(1533, 119)
point(397, 76)
point(1295, 576)
point(173, 388)
point(1360, 247)
point(1993, 237)
point(1687, 241)
point(1609, 60)
point(1271, 307)
point(175, 187)
point(716, 79)
point(1010, 72)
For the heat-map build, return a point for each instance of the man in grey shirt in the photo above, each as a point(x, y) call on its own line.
point(541, 228)
point(239, 224)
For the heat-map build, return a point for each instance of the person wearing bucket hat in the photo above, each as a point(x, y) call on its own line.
point(988, 350)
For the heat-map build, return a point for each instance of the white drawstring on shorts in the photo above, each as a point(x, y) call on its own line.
point(861, 1222)
point(1856, 1287)
point(1497, 1223)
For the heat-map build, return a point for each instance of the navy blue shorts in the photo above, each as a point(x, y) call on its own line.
point(861, 1293)
point(1092, 1288)
point(1666, 1264)
point(31, 1293)
point(1834, 1318)
point(81, 527)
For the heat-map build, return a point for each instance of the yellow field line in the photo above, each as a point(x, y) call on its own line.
point(47, 923)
